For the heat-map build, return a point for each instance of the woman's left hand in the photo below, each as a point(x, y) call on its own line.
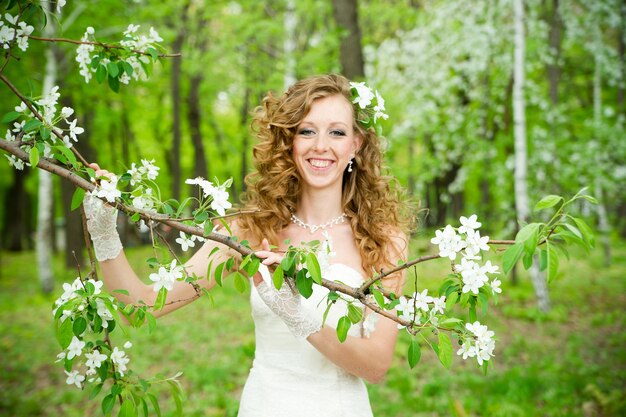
point(269, 258)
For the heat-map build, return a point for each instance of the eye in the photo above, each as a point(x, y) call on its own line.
point(337, 132)
point(306, 132)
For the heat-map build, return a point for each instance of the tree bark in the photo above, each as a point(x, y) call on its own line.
point(200, 166)
point(289, 44)
point(351, 54)
point(522, 205)
point(18, 227)
point(555, 36)
point(45, 207)
point(603, 221)
point(176, 123)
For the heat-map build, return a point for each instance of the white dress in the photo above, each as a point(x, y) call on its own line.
point(289, 377)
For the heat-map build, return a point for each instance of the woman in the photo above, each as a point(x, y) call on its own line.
point(318, 177)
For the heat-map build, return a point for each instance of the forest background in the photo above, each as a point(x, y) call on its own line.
point(445, 69)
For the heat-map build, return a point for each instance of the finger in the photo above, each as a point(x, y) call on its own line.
point(265, 245)
point(257, 279)
point(94, 166)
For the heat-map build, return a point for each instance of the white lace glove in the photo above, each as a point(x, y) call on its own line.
point(287, 305)
point(102, 226)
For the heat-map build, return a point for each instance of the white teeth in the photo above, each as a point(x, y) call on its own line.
point(320, 163)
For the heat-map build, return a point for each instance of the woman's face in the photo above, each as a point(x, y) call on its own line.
point(325, 141)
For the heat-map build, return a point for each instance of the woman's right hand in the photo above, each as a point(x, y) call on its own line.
point(102, 222)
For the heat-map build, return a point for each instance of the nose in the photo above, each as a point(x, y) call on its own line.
point(321, 143)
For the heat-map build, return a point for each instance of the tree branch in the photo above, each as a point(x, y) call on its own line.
point(103, 45)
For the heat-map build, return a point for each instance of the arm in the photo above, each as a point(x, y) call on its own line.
point(368, 358)
point(117, 272)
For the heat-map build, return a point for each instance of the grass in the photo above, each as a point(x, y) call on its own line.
point(569, 362)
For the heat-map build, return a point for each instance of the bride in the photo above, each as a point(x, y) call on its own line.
point(318, 177)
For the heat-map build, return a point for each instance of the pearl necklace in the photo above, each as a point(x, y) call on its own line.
point(315, 227)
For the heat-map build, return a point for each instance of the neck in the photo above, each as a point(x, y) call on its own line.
point(319, 206)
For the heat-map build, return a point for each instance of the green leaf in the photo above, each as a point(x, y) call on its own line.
point(314, 268)
point(160, 300)
point(128, 69)
point(127, 409)
point(10, 116)
point(114, 83)
point(343, 325)
point(585, 230)
point(240, 282)
point(304, 284)
point(65, 333)
point(451, 300)
point(553, 262)
point(155, 404)
point(77, 198)
point(355, 314)
point(527, 260)
point(378, 296)
point(107, 404)
point(415, 353)
point(589, 198)
point(31, 125)
point(511, 256)
point(95, 391)
point(445, 350)
point(34, 157)
point(112, 69)
point(69, 155)
point(101, 73)
point(79, 326)
point(278, 277)
point(548, 201)
point(44, 132)
point(151, 322)
point(472, 312)
point(153, 53)
point(218, 274)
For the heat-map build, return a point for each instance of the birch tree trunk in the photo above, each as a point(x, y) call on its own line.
point(43, 243)
point(289, 45)
point(603, 222)
point(522, 205)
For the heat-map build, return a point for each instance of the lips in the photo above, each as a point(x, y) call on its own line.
point(320, 163)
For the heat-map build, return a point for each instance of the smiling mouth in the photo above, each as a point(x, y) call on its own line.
point(320, 163)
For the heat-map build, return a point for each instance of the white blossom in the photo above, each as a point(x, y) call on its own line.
point(165, 278)
point(475, 243)
point(439, 304)
point(449, 242)
point(185, 242)
point(148, 169)
point(108, 189)
point(75, 348)
point(60, 5)
point(75, 130)
point(421, 300)
point(16, 162)
point(74, 378)
point(495, 286)
point(470, 223)
point(119, 359)
point(220, 201)
point(364, 94)
point(94, 359)
point(66, 112)
point(128, 345)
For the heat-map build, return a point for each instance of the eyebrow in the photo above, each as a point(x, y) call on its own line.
point(332, 124)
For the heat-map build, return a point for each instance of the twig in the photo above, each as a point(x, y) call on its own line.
point(92, 259)
point(38, 115)
point(103, 45)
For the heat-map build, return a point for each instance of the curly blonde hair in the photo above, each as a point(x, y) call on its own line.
point(371, 199)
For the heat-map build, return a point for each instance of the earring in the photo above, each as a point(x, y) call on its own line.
point(350, 166)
